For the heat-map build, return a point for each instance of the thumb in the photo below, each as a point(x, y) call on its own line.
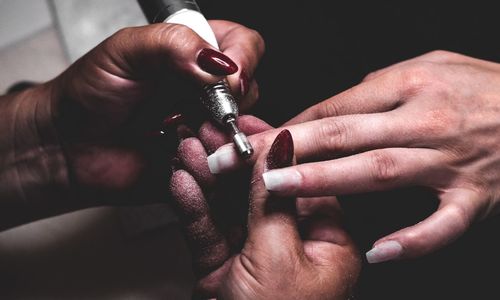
point(145, 52)
point(272, 227)
point(454, 216)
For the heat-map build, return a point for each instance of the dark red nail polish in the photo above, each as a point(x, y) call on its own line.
point(216, 63)
point(244, 84)
point(173, 120)
point(281, 152)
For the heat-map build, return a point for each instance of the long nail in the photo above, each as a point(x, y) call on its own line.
point(281, 153)
point(282, 180)
point(384, 251)
point(174, 120)
point(223, 160)
point(216, 63)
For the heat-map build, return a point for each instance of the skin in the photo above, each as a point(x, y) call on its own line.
point(431, 121)
point(77, 141)
point(245, 254)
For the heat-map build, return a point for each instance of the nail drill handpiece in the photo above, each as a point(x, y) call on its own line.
point(217, 97)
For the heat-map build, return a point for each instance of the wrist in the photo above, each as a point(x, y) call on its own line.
point(34, 181)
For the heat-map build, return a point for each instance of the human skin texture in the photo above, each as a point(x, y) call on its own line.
point(250, 244)
point(431, 121)
point(79, 140)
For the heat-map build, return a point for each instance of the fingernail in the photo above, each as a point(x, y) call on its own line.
point(384, 251)
point(281, 180)
point(173, 120)
point(280, 156)
point(216, 63)
point(244, 84)
point(223, 160)
point(281, 153)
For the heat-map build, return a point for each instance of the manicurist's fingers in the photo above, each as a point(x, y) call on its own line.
point(193, 157)
point(145, 52)
point(209, 246)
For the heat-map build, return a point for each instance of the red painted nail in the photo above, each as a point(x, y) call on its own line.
point(244, 84)
point(281, 152)
point(173, 120)
point(216, 63)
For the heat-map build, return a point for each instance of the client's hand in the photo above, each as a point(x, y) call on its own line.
point(294, 248)
point(431, 121)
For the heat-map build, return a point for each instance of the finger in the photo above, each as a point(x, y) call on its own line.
point(193, 157)
point(378, 95)
point(213, 136)
point(366, 172)
point(147, 51)
point(321, 220)
point(272, 226)
point(328, 138)
point(450, 221)
point(245, 47)
point(209, 247)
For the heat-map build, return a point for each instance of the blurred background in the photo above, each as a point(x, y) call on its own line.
point(39, 38)
point(99, 253)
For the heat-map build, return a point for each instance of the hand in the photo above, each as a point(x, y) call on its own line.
point(272, 260)
point(430, 121)
point(99, 107)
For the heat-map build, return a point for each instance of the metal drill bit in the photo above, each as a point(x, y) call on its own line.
point(240, 139)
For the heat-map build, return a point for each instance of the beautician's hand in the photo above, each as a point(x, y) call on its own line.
point(97, 108)
point(275, 261)
point(431, 121)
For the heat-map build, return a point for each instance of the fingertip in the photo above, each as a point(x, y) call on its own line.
point(212, 136)
point(385, 251)
point(194, 158)
point(224, 160)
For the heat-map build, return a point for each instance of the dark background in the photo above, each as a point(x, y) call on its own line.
point(316, 49)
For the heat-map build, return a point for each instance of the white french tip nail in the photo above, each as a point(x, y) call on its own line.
point(223, 160)
point(281, 180)
point(384, 251)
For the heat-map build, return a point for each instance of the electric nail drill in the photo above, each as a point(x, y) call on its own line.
point(217, 98)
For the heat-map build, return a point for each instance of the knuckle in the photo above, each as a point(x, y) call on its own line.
point(123, 34)
point(371, 75)
point(172, 34)
point(384, 167)
point(333, 136)
point(436, 123)
point(416, 77)
point(329, 108)
point(461, 217)
point(442, 56)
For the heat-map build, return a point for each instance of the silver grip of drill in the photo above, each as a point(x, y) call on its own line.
point(219, 102)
